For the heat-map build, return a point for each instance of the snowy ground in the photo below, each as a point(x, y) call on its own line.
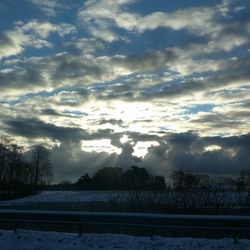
point(88, 196)
point(62, 196)
point(31, 240)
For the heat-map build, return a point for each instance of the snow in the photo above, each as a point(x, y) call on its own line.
point(62, 196)
point(31, 240)
point(88, 196)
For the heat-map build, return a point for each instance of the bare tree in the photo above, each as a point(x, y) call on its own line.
point(4, 148)
point(41, 164)
point(14, 158)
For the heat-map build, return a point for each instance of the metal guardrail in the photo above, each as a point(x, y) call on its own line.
point(232, 226)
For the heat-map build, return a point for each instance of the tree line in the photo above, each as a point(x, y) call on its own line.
point(114, 178)
point(188, 181)
point(21, 177)
point(136, 178)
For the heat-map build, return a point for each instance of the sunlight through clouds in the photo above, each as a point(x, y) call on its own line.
point(128, 82)
point(99, 146)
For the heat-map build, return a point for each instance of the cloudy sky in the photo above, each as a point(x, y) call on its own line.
point(161, 84)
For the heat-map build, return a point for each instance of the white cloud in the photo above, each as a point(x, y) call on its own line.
point(31, 34)
point(108, 11)
point(105, 34)
point(224, 7)
point(163, 75)
point(239, 9)
point(87, 45)
point(226, 42)
point(100, 16)
point(49, 7)
point(197, 20)
point(43, 29)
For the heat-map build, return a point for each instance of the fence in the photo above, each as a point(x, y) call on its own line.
point(232, 226)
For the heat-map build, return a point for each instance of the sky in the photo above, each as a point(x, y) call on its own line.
point(159, 84)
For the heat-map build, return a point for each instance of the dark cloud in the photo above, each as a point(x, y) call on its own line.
point(245, 105)
point(232, 71)
point(175, 150)
point(125, 159)
point(22, 78)
point(183, 139)
point(68, 114)
point(50, 112)
point(185, 151)
point(33, 128)
point(217, 120)
point(136, 136)
point(82, 92)
point(73, 67)
point(67, 67)
point(5, 40)
point(150, 61)
point(111, 121)
point(70, 162)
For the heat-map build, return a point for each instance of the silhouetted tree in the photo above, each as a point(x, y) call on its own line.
point(108, 178)
point(136, 178)
point(243, 182)
point(85, 182)
point(4, 145)
point(184, 180)
point(159, 183)
point(42, 171)
point(17, 177)
point(25, 173)
point(113, 178)
point(14, 159)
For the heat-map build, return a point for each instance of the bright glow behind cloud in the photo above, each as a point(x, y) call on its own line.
point(106, 79)
point(102, 145)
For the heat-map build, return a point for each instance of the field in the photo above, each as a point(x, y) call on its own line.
point(198, 202)
point(98, 200)
point(31, 240)
point(58, 200)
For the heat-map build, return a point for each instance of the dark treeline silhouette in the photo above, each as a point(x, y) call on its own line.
point(243, 182)
point(136, 178)
point(19, 177)
point(189, 181)
point(114, 178)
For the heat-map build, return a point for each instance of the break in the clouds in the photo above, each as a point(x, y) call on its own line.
point(162, 84)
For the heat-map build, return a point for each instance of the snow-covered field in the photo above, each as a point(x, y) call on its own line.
point(62, 196)
point(88, 196)
point(33, 240)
